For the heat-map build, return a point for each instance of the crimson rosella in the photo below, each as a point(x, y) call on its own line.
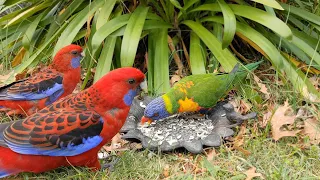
point(29, 95)
point(72, 130)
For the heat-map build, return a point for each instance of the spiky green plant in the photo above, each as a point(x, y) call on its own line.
point(112, 30)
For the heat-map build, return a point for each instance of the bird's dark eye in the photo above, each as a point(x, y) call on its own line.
point(131, 81)
point(155, 114)
point(74, 52)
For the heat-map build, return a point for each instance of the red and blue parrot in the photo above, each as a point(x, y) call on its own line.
point(29, 95)
point(72, 130)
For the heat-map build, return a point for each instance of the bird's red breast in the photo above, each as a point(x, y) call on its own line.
point(50, 138)
point(29, 95)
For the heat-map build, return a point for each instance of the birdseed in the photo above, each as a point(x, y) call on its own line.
point(177, 128)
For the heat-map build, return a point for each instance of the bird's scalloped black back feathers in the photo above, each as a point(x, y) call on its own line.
point(3, 127)
point(5, 87)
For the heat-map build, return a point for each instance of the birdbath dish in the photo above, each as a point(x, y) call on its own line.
point(189, 131)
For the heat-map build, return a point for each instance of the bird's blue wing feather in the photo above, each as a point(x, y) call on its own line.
point(70, 150)
point(34, 88)
point(56, 133)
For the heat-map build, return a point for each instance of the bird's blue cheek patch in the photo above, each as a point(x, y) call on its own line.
point(75, 62)
point(128, 98)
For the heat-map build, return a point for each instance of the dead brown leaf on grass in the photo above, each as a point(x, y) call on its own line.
point(18, 58)
point(239, 141)
point(117, 144)
point(245, 106)
point(175, 78)
point(236, 104)
point(262, 87)
point(251, 173)
point(77, 89)
point(281, 118)
point(241, 106)
point(315, 81)
point(211, 153)
point(266, 118)
point(312, 129)
point(166, 171)
point(7, 78)
point(236, 143)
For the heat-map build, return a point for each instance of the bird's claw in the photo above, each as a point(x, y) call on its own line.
point(111, 165)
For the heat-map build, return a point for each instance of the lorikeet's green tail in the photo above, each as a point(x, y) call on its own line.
point(243, 70)
point(238, 73)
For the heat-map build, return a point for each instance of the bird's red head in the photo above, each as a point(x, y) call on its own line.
point(67, 58)
point(120, 86)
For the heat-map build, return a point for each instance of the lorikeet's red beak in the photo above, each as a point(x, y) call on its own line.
point(145, 119)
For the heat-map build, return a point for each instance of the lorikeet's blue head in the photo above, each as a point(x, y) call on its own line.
point(155, 110)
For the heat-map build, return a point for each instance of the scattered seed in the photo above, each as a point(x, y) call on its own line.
point(177, 129)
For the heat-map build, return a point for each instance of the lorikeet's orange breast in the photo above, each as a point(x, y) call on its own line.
point(188, 105)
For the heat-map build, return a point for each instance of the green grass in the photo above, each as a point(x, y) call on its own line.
point(286, 159)
point(275, 160)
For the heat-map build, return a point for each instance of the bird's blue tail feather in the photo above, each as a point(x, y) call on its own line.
point(4, 174)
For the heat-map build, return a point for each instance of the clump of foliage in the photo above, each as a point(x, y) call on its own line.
point(196, 34)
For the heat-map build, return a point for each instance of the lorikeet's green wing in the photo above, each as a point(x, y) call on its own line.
point(204, 90)
point(208, 89)
point(195, 92)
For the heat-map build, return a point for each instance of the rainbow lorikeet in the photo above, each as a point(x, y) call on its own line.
point(194, 93)
point(72, 130)
point(29, 95)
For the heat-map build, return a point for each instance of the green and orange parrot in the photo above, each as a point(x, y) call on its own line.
point(194, 93)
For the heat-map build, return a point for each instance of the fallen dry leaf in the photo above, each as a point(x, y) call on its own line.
point(239, 141)
point(312, 129)
point(241, 106)
point(166, 172)
point(245, 106)
point(62, 11)
point(18, 58)
point(279, 119)
point(211, 154)
point(116, 139)
point(134, 145)
point(251, 173)
point(119, 145)
point(236, 104)
point(7, 78)
point(116, 144)
point(262, 87)
point(241, 149)
point(315, 81)
point(77, 89)
point(88, 32)
point(175, 78)
point(266, 118)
